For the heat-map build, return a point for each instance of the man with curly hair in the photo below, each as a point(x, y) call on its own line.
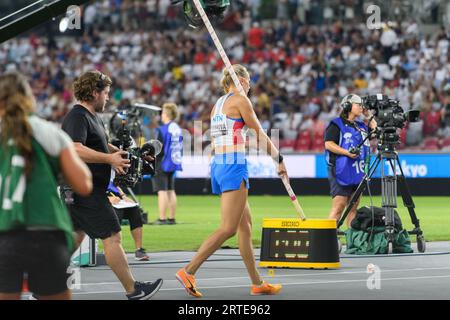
point(94, 215)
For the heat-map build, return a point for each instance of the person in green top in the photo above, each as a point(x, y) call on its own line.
point(36, 235)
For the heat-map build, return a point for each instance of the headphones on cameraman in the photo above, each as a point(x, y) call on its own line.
point(100, 84)
point(346, 104)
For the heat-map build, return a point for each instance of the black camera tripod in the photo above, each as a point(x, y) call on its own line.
point(386, 148)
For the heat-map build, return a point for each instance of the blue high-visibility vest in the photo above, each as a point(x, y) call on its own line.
point(350, 171)
point(172, 146)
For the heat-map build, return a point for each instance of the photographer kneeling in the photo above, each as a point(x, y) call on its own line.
point(127, 208)
point(346, 162)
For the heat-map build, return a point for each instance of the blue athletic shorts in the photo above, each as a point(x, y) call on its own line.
point(228, 171)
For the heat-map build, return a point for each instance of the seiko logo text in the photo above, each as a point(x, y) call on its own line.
point(290, 224)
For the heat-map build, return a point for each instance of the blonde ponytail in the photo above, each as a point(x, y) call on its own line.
point(19, 102)
point(227, 81)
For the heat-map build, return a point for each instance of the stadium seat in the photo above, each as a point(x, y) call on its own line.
point(403, 135)
point(281, 116)
point(287, 145)
point(319, 135)
point(445, 143)
point(303, 142)
point(402, 139)
point(318, 145)
point(432, 121)
point(301, 147)
point(431, 144)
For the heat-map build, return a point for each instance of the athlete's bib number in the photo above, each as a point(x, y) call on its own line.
point(218, 126)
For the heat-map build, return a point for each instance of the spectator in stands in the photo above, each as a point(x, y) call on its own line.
point(286, 59)
point(375, 84)
point(388, 40)
point(290, 127)
point(445, 113)
point(255, 36)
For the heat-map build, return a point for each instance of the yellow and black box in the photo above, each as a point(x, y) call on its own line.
point(293, 243)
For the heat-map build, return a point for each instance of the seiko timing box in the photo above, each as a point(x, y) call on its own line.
point(293, 243)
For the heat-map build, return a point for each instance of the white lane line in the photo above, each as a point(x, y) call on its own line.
point(284, 284)
point(318, 273)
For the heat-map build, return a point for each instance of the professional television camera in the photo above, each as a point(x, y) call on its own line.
point(214, 9)
point(142, 159)
point(388, 112)
point(390, 116)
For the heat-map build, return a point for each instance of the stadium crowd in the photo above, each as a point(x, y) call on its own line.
point(299, 71)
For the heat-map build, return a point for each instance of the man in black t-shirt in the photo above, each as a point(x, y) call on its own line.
point(94, 215)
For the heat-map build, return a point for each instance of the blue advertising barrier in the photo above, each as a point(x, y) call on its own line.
point(413, 166)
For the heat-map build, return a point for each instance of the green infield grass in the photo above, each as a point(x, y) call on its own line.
point(199, 216)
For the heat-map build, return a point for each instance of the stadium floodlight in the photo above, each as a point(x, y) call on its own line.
point(64, 24)
point(24, 20)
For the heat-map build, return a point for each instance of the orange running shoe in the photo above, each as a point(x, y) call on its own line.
point(265, 288)
point(188, 282)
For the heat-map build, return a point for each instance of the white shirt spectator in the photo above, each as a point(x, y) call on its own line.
point(388, 38)
point(291, 125)
point(343, 91)
point(375, 85)
point(412, 29)
point(163, 7)
point(303, 88)
point(151, 6)
point(417, 99)
point(129, 93)
point(90, 14)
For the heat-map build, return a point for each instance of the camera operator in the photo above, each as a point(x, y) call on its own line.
point(127, 208)
point(346, 162)
point(94, 215)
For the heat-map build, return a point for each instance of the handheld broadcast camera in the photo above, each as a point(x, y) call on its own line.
point(214, 9)
point(140, 164)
